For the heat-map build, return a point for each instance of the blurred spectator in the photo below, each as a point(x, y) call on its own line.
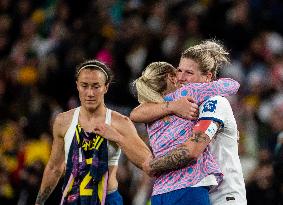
point(261, 185)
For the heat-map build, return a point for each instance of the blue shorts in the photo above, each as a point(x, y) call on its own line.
point(185, 196)
point(114, 198)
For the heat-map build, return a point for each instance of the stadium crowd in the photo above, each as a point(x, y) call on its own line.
point(41, 42)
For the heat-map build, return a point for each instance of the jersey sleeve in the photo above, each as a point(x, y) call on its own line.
point(203, 91)
point(214, 109)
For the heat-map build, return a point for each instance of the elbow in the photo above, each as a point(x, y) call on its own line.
point(237, 86)
point(133, 117)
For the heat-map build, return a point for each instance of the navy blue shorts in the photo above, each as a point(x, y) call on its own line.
point(186, 196)
point(114, 198)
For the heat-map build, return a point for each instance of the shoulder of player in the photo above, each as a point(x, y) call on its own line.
point(63, 121)
point(119, 120)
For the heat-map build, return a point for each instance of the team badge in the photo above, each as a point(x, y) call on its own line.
point(209, 106)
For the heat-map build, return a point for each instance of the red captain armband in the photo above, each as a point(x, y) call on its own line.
point(209, 127)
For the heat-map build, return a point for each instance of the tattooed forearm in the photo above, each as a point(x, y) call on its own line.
point(180, 157)
point(177, 159)
point(43, 195)
point(48, 186)
point(199, 137)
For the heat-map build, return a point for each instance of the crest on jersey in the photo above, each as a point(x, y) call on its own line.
point(209, 106)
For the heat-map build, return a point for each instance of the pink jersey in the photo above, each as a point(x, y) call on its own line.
point(169, 132)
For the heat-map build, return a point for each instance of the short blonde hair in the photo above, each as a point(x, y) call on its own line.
point(210, 55)
point(153, 82)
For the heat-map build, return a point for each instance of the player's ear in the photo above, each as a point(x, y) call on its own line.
point(77, 85)
point(106, 87)
point(172, 78)
point(209, 76)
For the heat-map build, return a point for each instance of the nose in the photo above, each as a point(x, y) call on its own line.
point(90, 92)
point(180, 77)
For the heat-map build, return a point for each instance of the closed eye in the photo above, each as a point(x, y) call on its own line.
point(189, 72)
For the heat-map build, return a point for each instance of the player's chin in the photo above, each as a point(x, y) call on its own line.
point(90, 105)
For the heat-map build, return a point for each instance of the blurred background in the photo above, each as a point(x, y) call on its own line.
point(41, 42)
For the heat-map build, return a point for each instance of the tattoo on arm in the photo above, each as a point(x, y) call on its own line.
point(42, 196)
point(177, 158)
point(45, 193)
point(199, 138)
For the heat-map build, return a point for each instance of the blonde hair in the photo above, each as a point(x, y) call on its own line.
point(209, 54)
point(153, 82)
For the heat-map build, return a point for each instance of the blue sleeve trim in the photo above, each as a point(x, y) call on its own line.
point(213, 119)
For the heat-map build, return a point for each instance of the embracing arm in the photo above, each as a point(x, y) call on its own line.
point(202, 91)
point(226, 86)
point(185, 106)
point(149, 112)
point(187, 153)
point(54, 167)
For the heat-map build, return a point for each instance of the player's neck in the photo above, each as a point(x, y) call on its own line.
point(90, 114)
